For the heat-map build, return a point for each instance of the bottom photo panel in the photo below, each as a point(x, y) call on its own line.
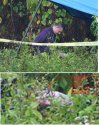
point(49, 98)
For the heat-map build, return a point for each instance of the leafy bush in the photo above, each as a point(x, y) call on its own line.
point(15, 16)
point(21, 107)
point(48, 15)
point(17, 108)
point(94, 26)
point(26, 62)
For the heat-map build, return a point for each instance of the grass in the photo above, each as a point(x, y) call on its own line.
point(78, 60)
point(19, 104)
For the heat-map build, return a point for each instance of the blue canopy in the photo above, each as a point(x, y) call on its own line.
point(79, 8)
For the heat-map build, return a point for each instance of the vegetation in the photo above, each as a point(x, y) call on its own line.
point(76, 59)
point(94, 27)
point(19, 91)
point(19, 104)
point(15, 16)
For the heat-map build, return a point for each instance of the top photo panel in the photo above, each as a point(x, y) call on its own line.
point(49, 36)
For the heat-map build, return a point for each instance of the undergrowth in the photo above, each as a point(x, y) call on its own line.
point(19, 104)
point(77, 59)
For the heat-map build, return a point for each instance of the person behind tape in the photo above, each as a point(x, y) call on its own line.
point(47, 35)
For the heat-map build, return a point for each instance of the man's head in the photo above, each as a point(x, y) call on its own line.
point(57, 29)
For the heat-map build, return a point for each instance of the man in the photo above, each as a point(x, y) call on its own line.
point(46, 36)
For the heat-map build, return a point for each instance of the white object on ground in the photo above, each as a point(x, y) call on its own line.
point(62, 55)
point(55, 95)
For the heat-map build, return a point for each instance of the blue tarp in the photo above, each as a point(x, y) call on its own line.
point(79, 8)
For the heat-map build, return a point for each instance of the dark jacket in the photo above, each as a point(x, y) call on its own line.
point(46, 36)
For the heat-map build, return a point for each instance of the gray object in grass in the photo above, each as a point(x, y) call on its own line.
point(47, 98)
point(62, 55)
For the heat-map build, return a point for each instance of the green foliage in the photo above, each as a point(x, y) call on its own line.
point(31, 5)
point(94, 26)
point(19, 8)
point(15, 7)
point(12, 14)
point(22, 107)
point(26, 62)
point(19, 107)
point(69, 114)
point(63, 83)
point(48, 15)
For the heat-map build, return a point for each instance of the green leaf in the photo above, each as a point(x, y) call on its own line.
point(15, 9)
point(34, 105)
point(12, 113)
point(55, 6)
point(81, 113)
point(49, 11)
point(0, 19)
point(27, 112)
point(20, 14)
point(50, 21)
point(37, 114)
point(43, 22)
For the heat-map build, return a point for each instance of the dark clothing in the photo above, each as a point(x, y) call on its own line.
point(46, 36)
